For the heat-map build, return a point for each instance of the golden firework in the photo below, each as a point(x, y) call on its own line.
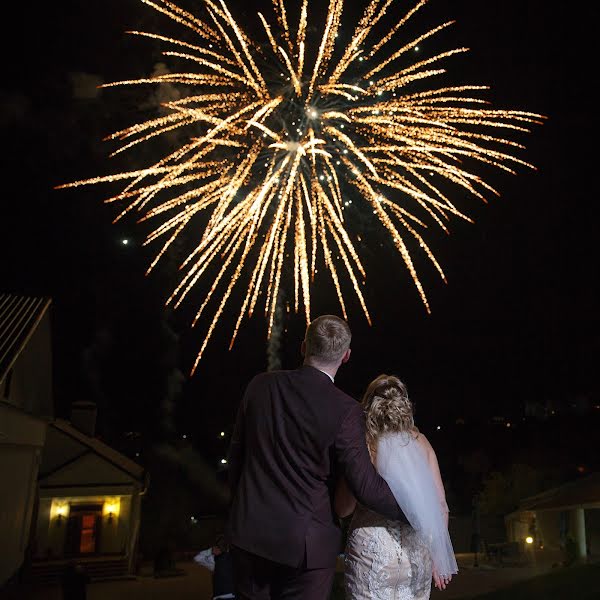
point(282, 136)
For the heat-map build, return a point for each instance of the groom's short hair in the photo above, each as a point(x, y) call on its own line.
point(327, 338)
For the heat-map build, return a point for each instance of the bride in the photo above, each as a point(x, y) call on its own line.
point(389, 559)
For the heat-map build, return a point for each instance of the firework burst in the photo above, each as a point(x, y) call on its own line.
point(283, 135)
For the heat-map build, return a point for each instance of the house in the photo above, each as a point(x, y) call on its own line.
point(25, 408)
point(568, 511)
point(89, 501)
point(65, 495)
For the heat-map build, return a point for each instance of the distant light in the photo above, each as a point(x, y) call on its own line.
point(223, 461)
point(508, 424)
point(124, 241)
point(222, 434)
point(137, 453)
point(438, 427)
point(529, 539)
point(416, 48)
point(184, 436)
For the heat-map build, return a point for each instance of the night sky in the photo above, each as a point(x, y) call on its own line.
point(518, 319)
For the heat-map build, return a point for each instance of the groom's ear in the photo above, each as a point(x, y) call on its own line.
point(346, 356)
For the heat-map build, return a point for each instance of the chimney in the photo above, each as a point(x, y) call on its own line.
point(83, 417)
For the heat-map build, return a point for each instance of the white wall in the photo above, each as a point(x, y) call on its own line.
point(21, 439)
point(548, 524)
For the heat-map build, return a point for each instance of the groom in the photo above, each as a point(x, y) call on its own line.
point(295, 431)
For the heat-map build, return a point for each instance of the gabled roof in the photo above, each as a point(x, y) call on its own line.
point(19, 318)
point(101, 449)
point(580, 493)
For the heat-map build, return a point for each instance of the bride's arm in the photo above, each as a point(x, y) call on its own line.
point(435, 471)
point(344, 502)
point(432, 461)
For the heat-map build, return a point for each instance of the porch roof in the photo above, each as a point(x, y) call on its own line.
point(19, 318)
point(581, 493)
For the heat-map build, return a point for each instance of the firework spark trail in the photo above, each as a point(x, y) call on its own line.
point(276, 162)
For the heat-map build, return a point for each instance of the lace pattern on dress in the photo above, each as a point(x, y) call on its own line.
point(385, 560)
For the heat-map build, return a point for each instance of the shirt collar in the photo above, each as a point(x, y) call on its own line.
point(328, 375)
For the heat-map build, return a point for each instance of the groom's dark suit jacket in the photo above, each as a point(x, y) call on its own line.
point(295, 431)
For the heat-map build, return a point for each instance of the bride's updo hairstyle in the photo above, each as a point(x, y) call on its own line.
point(387, 407)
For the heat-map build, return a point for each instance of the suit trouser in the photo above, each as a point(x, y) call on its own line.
point(257, 578)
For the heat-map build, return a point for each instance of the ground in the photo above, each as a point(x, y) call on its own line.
point(509, 582)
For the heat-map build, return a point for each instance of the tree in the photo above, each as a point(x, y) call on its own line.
point(502, 491)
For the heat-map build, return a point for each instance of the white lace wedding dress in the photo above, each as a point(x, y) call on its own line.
point(385, 560)
point(392, 560)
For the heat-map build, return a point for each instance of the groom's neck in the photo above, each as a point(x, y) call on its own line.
point(330, 369)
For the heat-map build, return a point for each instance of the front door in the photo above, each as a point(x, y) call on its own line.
point(83, 529)
point(89, 533)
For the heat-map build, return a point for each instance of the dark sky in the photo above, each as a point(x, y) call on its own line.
point(517, 320)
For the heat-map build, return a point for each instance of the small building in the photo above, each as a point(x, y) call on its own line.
point(25, 407)
point(65, 494)
point(89, 501)
point(569, 511)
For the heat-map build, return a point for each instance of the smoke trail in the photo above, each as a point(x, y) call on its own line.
point(274, 360)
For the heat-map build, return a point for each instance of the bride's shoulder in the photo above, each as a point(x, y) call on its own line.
point(422, 439)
